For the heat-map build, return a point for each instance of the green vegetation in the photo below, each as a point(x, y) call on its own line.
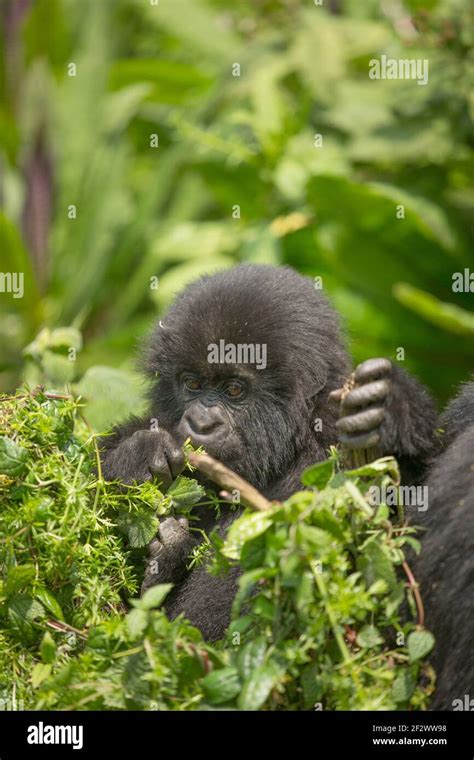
point(317, 619)
point(145, 72)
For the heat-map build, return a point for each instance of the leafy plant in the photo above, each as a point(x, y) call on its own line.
point(317, 621)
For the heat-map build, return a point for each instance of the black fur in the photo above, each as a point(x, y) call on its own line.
point(445, 568)
point(270, 436)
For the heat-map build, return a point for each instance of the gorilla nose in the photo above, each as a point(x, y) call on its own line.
point(202, 423)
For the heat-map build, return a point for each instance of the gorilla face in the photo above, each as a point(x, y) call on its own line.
point(211, 411)
point(242, 363)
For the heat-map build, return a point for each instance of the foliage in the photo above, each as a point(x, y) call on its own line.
point(317, 619)
point(243, 141)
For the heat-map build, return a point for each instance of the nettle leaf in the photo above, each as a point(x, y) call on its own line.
point(13, 458)
point(155, 596)
point(315, 538)
point(136, 621)
point(420, 643)
point(375, 565)
point(139, 527)
point(245, 529)
point(258, 686)
point(19, 577)
point(369, 636)
point(403, 686)
point(318, 475)
point(386, 465)
point(40, 673)
point(23, 611)
point(49, 602)
point(221, 685)
point(48, 648)
point(185, 492)
point(252, 656)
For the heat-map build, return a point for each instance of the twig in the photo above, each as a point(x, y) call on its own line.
point(416, 593)
point(229, 480)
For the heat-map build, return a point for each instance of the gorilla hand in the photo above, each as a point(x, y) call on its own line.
point(144, 455)
point(365, 416)
point(168, 553)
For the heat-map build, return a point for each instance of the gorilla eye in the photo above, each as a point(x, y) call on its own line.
point(234, 390)
point(192, 384)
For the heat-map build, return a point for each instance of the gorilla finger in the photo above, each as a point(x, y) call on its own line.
point(154, 547)
point(336, 395)
point(184, 522)
point(160, 469)
point(364, 395)
point(372, 369)
point(365, 441)
point(175, 459)
point(171, 531)
point(362, 422)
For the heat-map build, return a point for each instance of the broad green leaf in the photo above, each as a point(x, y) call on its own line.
point(403, 686)
point(185, 492)
point(318, 475)
point(251, 656)
point(48, 648)
point(19, 577)
point(369, 637)
point(420, 643)
point(13, 458)
point(221, 685)
point(140, 527)
point(244, 529)
point(155, 596)
point(40, 673)
point(258, 685)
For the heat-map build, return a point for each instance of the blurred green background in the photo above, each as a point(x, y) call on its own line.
point(155, 143)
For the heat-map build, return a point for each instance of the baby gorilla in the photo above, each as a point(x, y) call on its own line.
point(245, 364)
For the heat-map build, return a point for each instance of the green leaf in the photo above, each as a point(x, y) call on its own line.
point(13, 458)
point(23, 611)
point(155, 596)
point(137, 621)
point(420, 643)
point(403, 686)
point(140, 527)
point(318, 475)
point(387, 465)
point(244, 529)
point(376, 565)
point(19, 577)
point(314, 538)
point(369, 637)
point(49, 602)
point(221, 685)
point(48, 648)
point(40, 673)
point(258, 686)
point(185, 492)
point(251, 656)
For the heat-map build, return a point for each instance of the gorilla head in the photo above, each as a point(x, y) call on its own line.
point(244, 362)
